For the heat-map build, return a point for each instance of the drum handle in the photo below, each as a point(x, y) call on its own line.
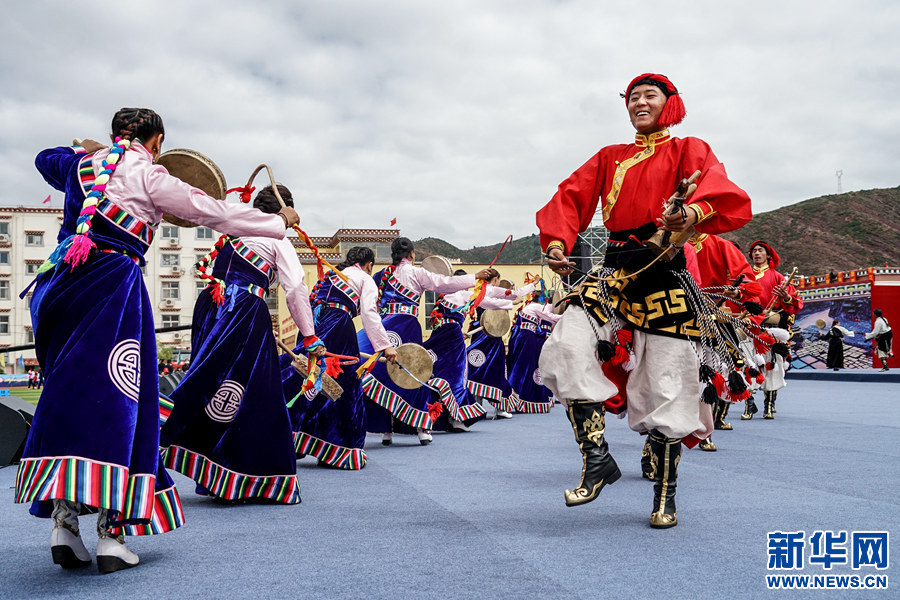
point(380, 359)
point(300, 232)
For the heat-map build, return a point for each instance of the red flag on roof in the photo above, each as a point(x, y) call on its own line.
point(393, 221)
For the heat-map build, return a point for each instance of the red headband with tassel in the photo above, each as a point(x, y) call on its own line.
point(673, 112)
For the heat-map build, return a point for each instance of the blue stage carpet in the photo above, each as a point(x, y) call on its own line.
point(481, 515)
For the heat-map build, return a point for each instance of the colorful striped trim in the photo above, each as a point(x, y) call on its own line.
point(441, 321)
point(110, 211)
point(86, 173)
point(227, 484)
point(339, 306)
point(165, 408)
point(454, 410)
point(387, 399)
point(401, 289)
point(344, 287)
point(529, 326)
point(166, 516)
point(253, 258)
point(258, 291)
point(531, 408)
point(101, 485)
point(72, 478)
point(341, 457)
point(484, 391)
point(395, 308)
point(125, 221)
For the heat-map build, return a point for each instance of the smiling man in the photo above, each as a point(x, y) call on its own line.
point(634, 308)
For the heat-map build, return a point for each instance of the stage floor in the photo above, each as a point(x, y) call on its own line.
point(481, 515)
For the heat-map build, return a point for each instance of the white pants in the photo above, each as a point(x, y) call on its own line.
point(663, 390)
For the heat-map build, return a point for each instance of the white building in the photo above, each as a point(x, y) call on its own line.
point(29, 234)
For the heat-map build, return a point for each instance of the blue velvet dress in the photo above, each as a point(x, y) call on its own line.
point(332, 431)
point(448, 349)
point(525, 343)
point(487, 368)
point(95, 434)
point(229, 428)
point(388, 406)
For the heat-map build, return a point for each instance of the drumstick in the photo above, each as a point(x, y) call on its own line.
point(295, 358)
point(300, 232)
point(380, 359)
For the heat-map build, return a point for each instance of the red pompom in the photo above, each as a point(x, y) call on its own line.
point(760, 378)
point(624, 336)
point(435, 409)
point(217, 295)
point(621, 356)
point(719, 382)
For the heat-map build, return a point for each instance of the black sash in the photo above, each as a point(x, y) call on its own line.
point(655, 301)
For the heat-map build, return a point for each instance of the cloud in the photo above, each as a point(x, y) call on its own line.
point(461, 118)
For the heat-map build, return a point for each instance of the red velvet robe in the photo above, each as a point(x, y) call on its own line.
point(720, 262)
point(769, 279)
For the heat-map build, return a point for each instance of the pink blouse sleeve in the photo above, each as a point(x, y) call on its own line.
point(368, 312)
point(173, 196)
point(296, 293)
point(547, 314)
point(442, 284)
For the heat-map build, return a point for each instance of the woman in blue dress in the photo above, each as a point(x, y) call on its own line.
point(98, 450)
point(334, 432)
point(390, 408)
point(229, 428)
point(448, 348)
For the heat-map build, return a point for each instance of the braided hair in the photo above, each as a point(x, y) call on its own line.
point(401, 248)
point(267, 202)
point(358, 255)
point(137, 124)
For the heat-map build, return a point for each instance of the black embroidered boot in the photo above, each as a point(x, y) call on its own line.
point(665, 454)
point(646, 468)
point(750, 410)
point(719, 413)
point(599, 467)
point(769, 405)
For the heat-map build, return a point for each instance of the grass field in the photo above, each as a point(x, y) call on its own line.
point(24, 393)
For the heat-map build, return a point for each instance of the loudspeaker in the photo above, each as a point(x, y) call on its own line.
point(15, 420)
point(168, 383)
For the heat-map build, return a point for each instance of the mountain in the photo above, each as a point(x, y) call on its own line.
point(525, 250)
point(830, 233)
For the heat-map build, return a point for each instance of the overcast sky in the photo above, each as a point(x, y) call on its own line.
point(458, 118)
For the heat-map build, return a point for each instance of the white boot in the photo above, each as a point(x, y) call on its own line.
point(457, 426)
point(66, 547)
point(502, 414)
point(112, 553)
point(424, 436)
point(387, 439)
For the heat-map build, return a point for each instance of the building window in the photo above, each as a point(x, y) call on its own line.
point(29, 336)
point(4, 227)
point(169, 231)
point(171, 290)
point(4, 257)
point(430, 299)
point(171, 320)
point(4, 289)
point(201, 285)
point(204, 233)
point(4, 324)
point(31, 268)
point(169, 259)
point(34, 239)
